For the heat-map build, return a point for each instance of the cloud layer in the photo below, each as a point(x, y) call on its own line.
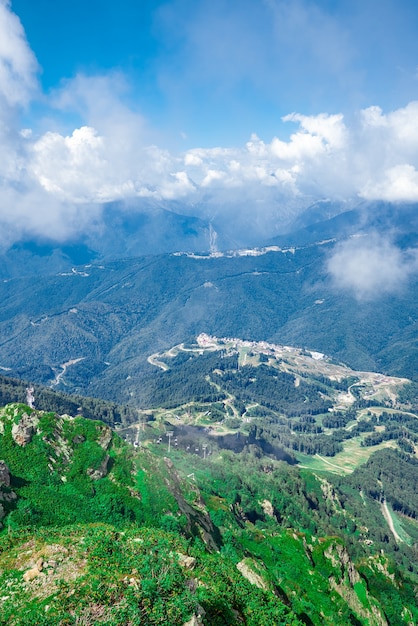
point(371, 266)
point(375, 158)
point(55, 182)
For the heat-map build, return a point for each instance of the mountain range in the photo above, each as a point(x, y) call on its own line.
point(263, 465)
point(90, 328)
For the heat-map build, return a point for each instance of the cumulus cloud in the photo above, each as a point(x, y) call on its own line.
point(371, 266)
point(18, 65)
point(398, 184)
point(389, 155)
point(110, 159)
point(27, 207)
point(57, 181)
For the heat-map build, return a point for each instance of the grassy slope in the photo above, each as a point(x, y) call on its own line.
point(129, 568)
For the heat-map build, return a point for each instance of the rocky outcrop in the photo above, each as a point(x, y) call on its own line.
point(373, 616)
point(33, 572)
point(195, 621)
point(340, 558)
point(5, 494)
point(105, 437)
point(100, 472)
point(4, 475)
point(23, 431)
point(186, 561)
point(267, 507)
point(344, 584)
point(251, 575)
point(199, 522)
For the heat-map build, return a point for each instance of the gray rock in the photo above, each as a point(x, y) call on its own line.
point(105, 437)
point(23, 432)
point(196, 620)
point(4, 475)
point(101, 471)
point(186, 561)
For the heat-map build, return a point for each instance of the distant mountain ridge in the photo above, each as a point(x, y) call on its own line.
point(106, 317)
point(123, 232)
point(110, 318)
point(119, 234)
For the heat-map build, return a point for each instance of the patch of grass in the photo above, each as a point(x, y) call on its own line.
point(397, 523)
point(343, 462)
point(361, 592)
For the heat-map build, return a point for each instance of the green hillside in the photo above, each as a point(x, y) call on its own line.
point(287, 403)
point(96, 531)
point(91, 330)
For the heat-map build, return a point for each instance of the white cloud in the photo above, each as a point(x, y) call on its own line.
point(324, 157)
point(398, 184)
point(192, 159)
point(60, 178)
point(373, 117)
point(386, 150)
point(212, 176)
point(18, 65)
point(176, 186)
point(330, 129)
point(70, 167)
point(372, 266)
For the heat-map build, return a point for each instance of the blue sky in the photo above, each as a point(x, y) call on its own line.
point(211, 72)
point(249, 110)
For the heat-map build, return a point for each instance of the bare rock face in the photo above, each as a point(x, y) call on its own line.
point(267, 507)
point(101, 471)
point(105, 437)
point(4, 475)
point(5, 496)
point(34, 572)
point(186, 561)
point(195, 621)
point(23, 432)
point(339, 557)
point(251, 575)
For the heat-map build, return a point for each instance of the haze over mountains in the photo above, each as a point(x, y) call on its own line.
point(339, 285)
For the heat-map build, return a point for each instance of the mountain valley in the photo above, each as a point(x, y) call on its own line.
point(107, 319)
point(255, 458)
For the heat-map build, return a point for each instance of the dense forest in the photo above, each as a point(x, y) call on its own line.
point(16, 390)
point(107, 319)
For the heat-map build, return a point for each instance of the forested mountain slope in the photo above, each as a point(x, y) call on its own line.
point(92, 329)
point(95, 531)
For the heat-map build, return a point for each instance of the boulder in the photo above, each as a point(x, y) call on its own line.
point(34, 572)
point(195, 621)
point(23, 431)
point(101, 471)
point(186, 561)
point(4, 475)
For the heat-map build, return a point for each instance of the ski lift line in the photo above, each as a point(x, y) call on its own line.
point(169, 434)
